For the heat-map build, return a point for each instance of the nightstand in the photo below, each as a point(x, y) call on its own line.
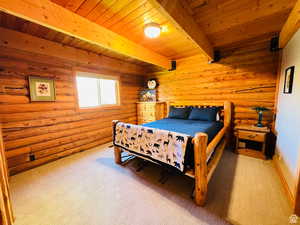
point(251, 140)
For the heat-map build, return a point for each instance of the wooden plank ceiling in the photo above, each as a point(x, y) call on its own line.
point(128, 17)
point(225, 23)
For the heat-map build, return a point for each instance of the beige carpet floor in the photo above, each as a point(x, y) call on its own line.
point(89, 189)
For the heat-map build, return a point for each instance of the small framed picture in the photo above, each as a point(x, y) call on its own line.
point(41, 89)
point(288, 80)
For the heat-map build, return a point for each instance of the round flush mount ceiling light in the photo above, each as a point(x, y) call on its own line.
point(152, 30)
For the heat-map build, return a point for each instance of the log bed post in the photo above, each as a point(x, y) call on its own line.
point(200, 146)
point(167, 109)
point(117, 150)
point(227, 120)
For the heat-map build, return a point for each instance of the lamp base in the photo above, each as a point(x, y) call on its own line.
point(259, 125)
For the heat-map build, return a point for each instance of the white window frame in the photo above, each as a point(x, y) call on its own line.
point(99, 76)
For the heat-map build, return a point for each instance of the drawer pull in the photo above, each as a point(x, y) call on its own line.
point(252, 136)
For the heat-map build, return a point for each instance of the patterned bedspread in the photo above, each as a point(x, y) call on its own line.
point(162, 145)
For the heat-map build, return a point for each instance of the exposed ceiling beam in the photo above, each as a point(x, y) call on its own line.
point(291, 26)
point(55, 17)
point(174, 11)
point(25, 42)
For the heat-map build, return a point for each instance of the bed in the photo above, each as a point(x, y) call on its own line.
point(204, 146)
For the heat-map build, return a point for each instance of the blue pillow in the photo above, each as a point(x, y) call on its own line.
point(179, 113)
point(205, 114)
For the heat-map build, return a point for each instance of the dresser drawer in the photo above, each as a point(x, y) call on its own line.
point(149, 111)
point(146, 107)
point(149, 114)
point(147, 118)
point(146, 114)
point(150, 107)
point(253, 136)
point(142, 121)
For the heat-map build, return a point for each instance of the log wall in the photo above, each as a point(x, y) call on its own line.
point(51, 130)
point(245, 75)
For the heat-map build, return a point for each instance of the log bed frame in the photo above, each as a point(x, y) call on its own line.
point(203, 171)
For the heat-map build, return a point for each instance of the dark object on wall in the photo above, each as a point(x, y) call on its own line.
point(260, 111)
point(41, 89)
point(32, 157)
point(217, 56)
point(288, 80)
point(274, 44)
point(173, 65)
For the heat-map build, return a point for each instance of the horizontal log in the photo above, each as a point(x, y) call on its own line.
point(23, 116)
point(58, 120)
point(27, 116)
point(61, 131)
point(35, 107)
point(104, 133)
point(50, 136)
point(29, 165)
point(16, 152)
point(71, 138)
point(12, 99)
point(61, 148)
point(35, 131)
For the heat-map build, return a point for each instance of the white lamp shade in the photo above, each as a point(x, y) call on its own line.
point(152, 30)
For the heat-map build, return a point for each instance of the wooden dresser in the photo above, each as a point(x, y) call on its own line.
point(150, 111)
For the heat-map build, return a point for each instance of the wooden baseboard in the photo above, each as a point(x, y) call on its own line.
point(251, 153)
point(284, 182)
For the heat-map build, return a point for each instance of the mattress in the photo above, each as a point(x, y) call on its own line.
point(188, 127)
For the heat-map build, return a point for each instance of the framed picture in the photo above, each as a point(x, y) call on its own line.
point(288, 80)
point(148, 95)
point(41, 89)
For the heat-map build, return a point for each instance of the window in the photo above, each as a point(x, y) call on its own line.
point(96, 90)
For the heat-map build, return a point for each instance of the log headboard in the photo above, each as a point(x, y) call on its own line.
point(224, 113)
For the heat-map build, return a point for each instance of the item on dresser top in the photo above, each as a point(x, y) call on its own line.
point(148, 95)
